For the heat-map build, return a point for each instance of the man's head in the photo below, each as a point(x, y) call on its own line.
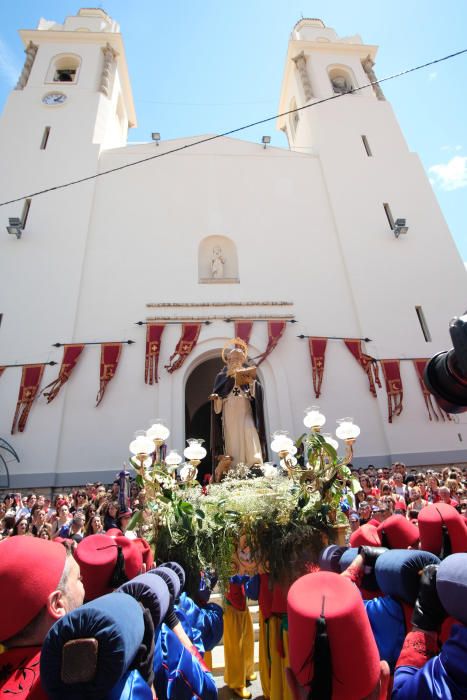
point(39, 583)
point(235, 358)
point(364, 510)
point(445, 494)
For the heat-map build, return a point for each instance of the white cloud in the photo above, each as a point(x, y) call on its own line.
point(451, 175)
point(432, 76)
point(9, 68)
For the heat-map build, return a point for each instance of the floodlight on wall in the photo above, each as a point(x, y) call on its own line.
point(265, 140)
point(15, 226)
point(156, 137)
point(400, 226)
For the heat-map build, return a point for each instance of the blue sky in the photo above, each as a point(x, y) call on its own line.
point(206, 66)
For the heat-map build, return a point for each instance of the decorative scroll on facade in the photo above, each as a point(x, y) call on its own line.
point(367, 65)
point(30, 51)
point(110, 56)
point(300, 62)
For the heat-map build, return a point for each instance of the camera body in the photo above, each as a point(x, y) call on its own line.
point(446, 373)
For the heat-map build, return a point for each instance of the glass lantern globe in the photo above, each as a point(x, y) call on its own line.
point(141, 446)
point(187, 473)
point(173, 459)
point(346, 429)
point(158, 431)
point(314, 418)
point(195, 449)
point(281, 442)
point(330, 440)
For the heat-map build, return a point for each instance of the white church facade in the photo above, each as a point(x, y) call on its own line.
point(226, 229)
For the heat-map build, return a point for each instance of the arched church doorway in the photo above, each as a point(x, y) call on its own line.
point(198, 407)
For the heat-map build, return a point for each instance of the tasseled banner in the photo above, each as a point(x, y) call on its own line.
point(275, 332)
point(432, 406)
point(71, 355)
point(119, 574)
point(243, 330)
point(188, 340)
point(153, 347)
point(2, 369)
point(368, 363)
point(31, 378)
point(321, 685)
point(446, 547)
point(317, 348)
point(110, 356)
point(395, 392)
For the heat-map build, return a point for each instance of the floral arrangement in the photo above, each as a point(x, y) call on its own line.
point(277, 521)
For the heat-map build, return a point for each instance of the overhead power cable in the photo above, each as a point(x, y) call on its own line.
point(230, 132)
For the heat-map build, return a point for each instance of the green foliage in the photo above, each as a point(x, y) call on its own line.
point(284, 521)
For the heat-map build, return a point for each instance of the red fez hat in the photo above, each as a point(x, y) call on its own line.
point(396, 532)
point(146, 551)
point(30, 570)
point(333, 600)
point(114, 532)
point(430, 522)
point(106, 563)
point(365, 535)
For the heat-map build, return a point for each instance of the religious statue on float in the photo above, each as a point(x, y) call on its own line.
point(238, 434)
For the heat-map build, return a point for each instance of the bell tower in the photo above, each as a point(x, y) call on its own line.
point(391, 231)
point(74, 89)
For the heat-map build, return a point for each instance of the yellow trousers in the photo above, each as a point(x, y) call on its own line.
point(264, 664)
point(238, 646)
point(278, 637)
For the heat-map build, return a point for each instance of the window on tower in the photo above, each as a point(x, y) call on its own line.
point(342, 80)
point(64, 69)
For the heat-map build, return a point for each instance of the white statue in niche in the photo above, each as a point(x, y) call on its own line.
point(217, 263)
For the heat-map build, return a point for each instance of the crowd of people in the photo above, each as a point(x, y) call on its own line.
point(394, 490)
point(85, 511)
point(88, 613)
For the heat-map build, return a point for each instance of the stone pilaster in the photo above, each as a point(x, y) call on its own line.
point(110, 56)
point(30, 51)
point(367, 65)
point(300, 62)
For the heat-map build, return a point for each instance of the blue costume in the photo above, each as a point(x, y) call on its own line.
point(444, 676)
point(387, 623)
point(203, 625)
point(179, 674)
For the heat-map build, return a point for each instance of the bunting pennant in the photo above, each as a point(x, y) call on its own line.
point(2, 369)
point(367, 363)
point(243, 330)
point(275, 332)
point(392, 378)
point(30, 381)
point(71, 354)
point(317, 348)
point(432, 406)
point(110, 357)
point(153, 347)
point(188, 340)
